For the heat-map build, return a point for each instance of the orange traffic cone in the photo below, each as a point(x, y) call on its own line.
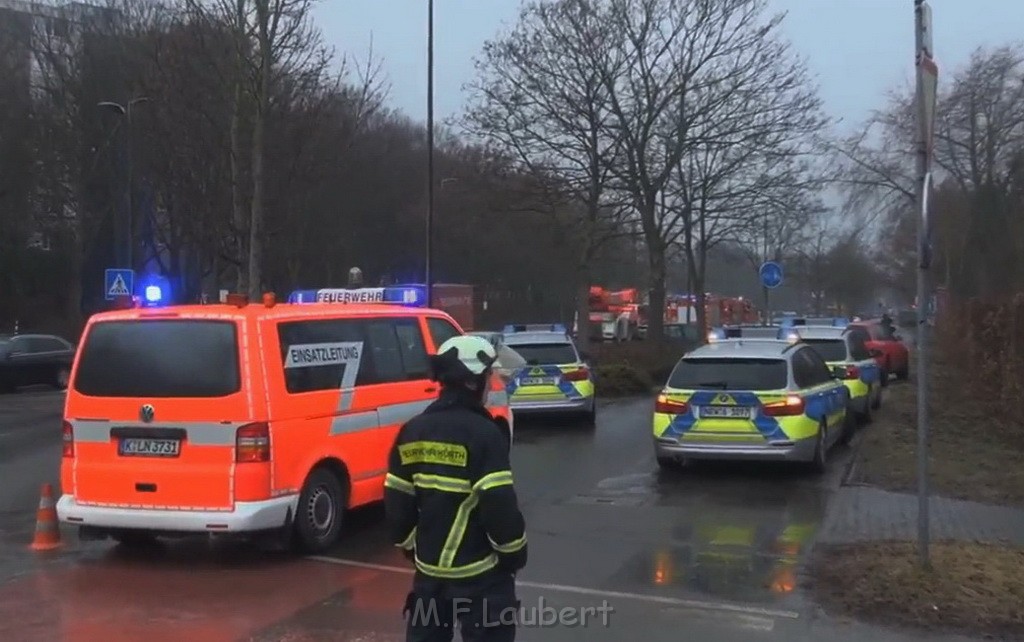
point(47, 531)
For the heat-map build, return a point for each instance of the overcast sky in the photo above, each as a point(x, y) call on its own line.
point(857, 48)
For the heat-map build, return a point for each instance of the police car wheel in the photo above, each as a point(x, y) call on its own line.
point(903, 374)
point(867, 416)
point(319, 515)
point(820, 461)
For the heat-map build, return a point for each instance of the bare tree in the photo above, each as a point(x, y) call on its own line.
point(980, 141)
point(541, 100)
point(700, 98)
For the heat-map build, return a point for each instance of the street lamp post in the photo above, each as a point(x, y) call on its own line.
point(428, 269)
point(126, 112)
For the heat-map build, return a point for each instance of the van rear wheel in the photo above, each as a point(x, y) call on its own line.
point(320, 511)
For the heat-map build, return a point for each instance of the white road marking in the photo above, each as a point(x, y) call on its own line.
point(580, 590)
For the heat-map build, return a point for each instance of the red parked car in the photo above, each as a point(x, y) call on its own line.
point(889, 351)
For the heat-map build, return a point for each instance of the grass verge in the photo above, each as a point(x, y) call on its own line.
point(973, 588)
point(972, 455)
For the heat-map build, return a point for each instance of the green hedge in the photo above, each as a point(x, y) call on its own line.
point(633, 368)
point(621, 380)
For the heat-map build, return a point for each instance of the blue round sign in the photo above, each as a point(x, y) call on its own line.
point(771, 274)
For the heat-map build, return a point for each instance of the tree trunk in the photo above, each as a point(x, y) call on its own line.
point(73, 303)
point(240, 213)
point(255, 277)
point(238, 209)
point(583, 329)
point(656, 309)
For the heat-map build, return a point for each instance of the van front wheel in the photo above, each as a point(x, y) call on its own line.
point(319, 515)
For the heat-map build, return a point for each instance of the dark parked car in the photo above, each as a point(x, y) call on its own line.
point(30, 359)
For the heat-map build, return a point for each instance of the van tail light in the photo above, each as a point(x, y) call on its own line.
point(852, 372)
point(252, 443)
point(668, 406)
point(68, 440)
point(790, 406)
point(579, 374)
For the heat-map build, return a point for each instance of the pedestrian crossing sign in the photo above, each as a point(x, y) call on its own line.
point(118, 283)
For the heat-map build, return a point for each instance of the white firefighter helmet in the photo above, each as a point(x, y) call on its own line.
point(464, 357)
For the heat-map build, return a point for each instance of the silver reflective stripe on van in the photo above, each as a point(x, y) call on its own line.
point(392, 414)
point(386, 415)
point(199, 433)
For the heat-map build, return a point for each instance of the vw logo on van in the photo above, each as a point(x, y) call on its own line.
point(146, 413)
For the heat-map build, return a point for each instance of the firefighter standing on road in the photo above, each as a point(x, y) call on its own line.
point(452, 507)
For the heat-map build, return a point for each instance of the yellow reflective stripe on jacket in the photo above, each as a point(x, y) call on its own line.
point(409, 543)
point(394, 482)
point(511, 547)
point(459, 572)
point(494, 480)
point(458, 531)
point(442, 483)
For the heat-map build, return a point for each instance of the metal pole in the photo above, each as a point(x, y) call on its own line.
point(428, 280)
point(130, 224)
point(923, 517)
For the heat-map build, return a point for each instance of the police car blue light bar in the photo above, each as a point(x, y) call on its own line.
point(535, 327)
point(407, 295)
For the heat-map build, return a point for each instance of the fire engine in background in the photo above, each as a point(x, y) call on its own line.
point(622, 315)
point(719, 310)
point(614, 315)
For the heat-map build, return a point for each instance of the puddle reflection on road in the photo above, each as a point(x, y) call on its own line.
point(731, 536)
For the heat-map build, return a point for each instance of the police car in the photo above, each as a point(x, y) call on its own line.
point(744, 331)
point(846, 352)
point(556, 378)
point(750, 399)
point(827, 322)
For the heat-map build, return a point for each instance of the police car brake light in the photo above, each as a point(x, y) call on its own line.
point(791, 405)
point(667, 406)
point(581, 373)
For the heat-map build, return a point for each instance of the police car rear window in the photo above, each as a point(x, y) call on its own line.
point(829, 349)
point(729, 374)
point(159, 358)
point(545, 353)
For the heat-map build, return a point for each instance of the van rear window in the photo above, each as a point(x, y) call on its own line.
point(159, 358)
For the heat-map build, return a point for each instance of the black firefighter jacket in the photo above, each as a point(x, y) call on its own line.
point(449, 496)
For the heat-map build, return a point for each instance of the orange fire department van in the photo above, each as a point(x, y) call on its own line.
point(241, 417)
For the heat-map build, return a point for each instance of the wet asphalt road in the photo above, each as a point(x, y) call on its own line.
point(618, 551)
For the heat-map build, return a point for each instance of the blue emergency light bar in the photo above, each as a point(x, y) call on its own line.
point(535, 327)
point(412, 296)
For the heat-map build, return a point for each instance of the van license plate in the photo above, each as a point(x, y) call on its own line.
point(139, 447)
point(538, 381)
point(725, 412)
